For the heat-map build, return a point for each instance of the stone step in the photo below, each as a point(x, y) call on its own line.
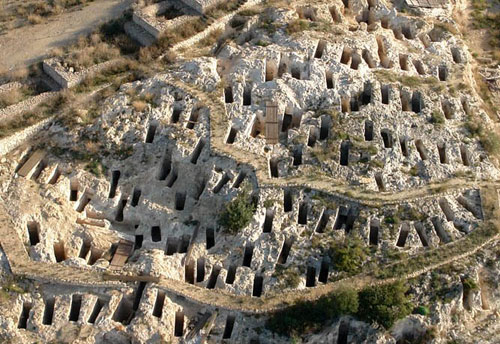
point(138, 34)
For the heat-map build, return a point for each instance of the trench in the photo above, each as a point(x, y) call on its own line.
point(197, 151)
point(374, 231)
point(172, 178)
point(172, 246)
point(156, 233)
point(180, 200)
point(346, 55)
point(95, 254)
point(403, 142)
point(84, 201)
point(123, 312)
point(311, 277)
point(440, 231)
point(228, 95)
point(343, 332)
point(285, 250)
point(231, 137)
point(76, 305)
point(419, 227)
point(385, 90)
point(210, 238)
point(268, 221)
point(329, 81)
point(222, 182)
point(416, 102)
point(443, 157)
point(446, 106)
point(247, 255)
point(382, 54)
point(200, 269)
point(55, 176)
point(287, 122)
point(165, 166)
point(231, 274)
point(403, 235)
point(119, 212)
point(73, 191)
point(136, 195)
point(419, 67)
point(443, 73)
point(297, 156)
point(368, 58)
point(200, 187)
point(323, 221)
point(115, 177)
point(345, 104)
point(33, 233)
point(179, 324)
point(424, 38)
point(398, 34)
point(464, 155)
point(247, 95)
point(447, 211)
point(296, 72)
point(184, 246)
point(84, 249)
point(239, 179)
point(287, 201)
point(98, 306)
point(341, 218)
point(59, 251)
point(380, 182)
point(455, 53)
point(283, 65)
point(355, 61)
point(354, 104)
point(273, 168)
point(403, 62)
point(258, 284)
point(159, 302)
point(387, 138)
point(212, 280)
point(139, 238)
point(228, 329)
point(335, 15)
point(138, 295)
point(320, 49)
point(469, 207)
point(421, 149)
point(313, 137)
point(176, 115)
point(323, 271)
point(368, 130)
point(302, 216)
point(48, 312)
point(324, 131)
point(150, 134)
point(193, 118)
point(344, 153)
point(25, 314)
point(308, 13)
point(271, 70)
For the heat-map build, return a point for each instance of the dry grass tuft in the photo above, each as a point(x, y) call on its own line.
point(139, 105)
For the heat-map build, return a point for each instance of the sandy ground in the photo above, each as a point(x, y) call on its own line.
point(30, 44)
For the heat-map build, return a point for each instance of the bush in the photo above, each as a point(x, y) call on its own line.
point(305, 317)
point(437, 118)
point(422, 310)
point(384, 304)
point(238, 213)
point(348, 256)
point(297, 25)
point(469, 284)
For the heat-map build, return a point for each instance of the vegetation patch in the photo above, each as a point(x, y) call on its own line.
point(238, 213)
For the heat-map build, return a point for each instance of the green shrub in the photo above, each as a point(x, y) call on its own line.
point(238, 213)
point(306, 317)
point(384, 304)
point(297, 25)
point(437, 118)
point(348, 256)
point(469, 284)
point(422, 310)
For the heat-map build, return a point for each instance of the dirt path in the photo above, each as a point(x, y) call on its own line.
point(30, 44)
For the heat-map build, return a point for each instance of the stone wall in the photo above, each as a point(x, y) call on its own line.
point(10, 86)
point(9, 143)
point(11, 111)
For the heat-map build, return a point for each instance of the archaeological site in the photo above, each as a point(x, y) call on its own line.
point(250, 171)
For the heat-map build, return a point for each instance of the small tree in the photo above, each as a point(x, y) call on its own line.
point(348, 256)
point(238, 213)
